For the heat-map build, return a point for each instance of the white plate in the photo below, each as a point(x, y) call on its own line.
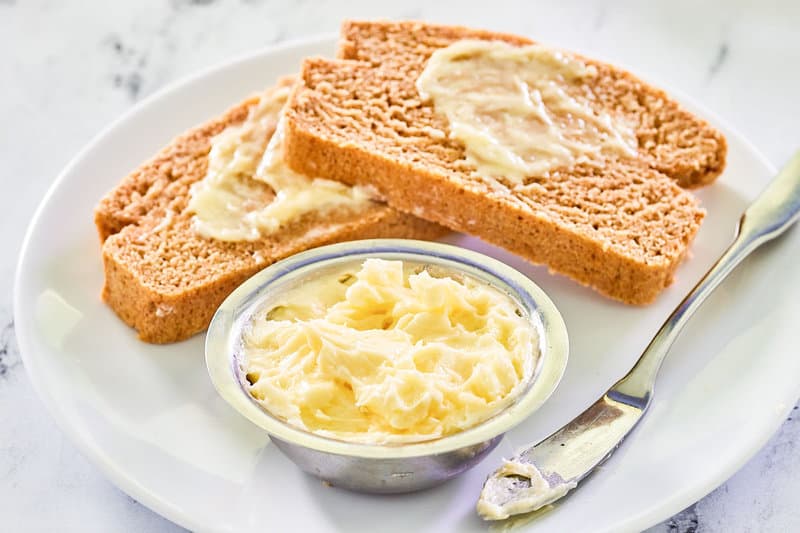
point(150, 419)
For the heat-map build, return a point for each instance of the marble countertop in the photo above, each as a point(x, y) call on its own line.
point(71, 67)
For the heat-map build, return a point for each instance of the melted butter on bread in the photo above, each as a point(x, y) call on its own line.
point(513, 110)
point(249, 191)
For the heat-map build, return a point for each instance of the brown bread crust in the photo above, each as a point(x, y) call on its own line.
point(673, 141)
point(620, 226)
point(166, 281)
point(634, 270)
point(144, 189)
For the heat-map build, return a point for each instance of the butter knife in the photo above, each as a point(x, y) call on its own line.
point(548, 470)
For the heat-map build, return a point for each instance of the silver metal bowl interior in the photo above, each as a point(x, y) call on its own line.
point(393, 467)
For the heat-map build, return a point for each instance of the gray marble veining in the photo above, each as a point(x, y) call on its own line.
point(719, 60)
point(69, 68)
point(9, 353)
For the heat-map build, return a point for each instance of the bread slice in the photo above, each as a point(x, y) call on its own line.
point(165, 280)
point(156, 182)
point(622, 226)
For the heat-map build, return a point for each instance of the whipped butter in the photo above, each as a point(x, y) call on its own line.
point(499, 501)
point(388, 352)
point(517, 110)
point(249, 191)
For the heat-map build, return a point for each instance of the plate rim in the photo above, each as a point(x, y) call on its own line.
point(162, 506)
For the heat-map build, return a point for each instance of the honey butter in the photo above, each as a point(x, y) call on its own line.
point(517, 110)
point(249, 191)
point(389, 352)
point(532, 492)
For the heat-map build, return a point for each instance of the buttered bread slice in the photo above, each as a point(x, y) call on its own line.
point(187, 227)
point(566, 161)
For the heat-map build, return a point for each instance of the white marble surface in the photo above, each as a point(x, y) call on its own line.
point(68, 68)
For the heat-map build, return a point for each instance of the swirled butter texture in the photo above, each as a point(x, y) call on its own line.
point(520, 111)
point(389, 353)
point(248, 191)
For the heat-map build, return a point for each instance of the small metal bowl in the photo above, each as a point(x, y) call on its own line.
point(391, 468)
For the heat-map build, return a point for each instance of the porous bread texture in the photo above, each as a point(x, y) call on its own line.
point(621, 226)
point(672, 140)
point(151, 186)
point(166, 281)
